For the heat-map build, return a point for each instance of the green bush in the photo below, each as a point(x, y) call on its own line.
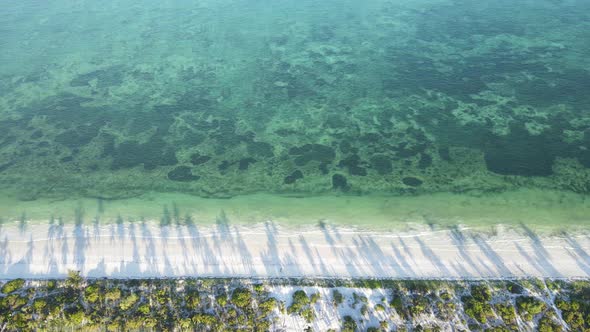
point(529, 306)
point(192, 298)
point(364, 309)
point(397, 304)
point(267, 306)
point(241, 297)
point(348, 325)
point(300, 300)
point(548, 324)
point(315, 297)
point(144, 309)
point(506, 312)
point(91, 293)
point(113, 294)
point(259, 288)
point(221, 299)
point(308, 314)
point(481, 293)
point(74, 279)
point(12, 286)
point(337, 296)
point(419, 306)
point(39, 305)
point(477, 310)
point(129, 302)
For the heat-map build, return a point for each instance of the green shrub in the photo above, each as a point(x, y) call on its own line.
point(397, 304)
point(259, 288)
point(379, 307)
point(113, 294)
point(481, 293)
point(337, 296)
point(241, 297)
point(300, 300)
point(39, 305)
point(477, 310)
point(315, 297)
point(192, 298)
point(419, 306)
point(267, 306)
point(506, 312)
point(574, 319)
point(364, 309)
point(308, 314)
point(129, 302)
point(529, 306)
point(548, 324)
point(446, 296)
point(12, 286)
point(74, 279)
point(348, 325)
point(204, 319)
point(144, 309)
point(221, 299)
point(91, 293)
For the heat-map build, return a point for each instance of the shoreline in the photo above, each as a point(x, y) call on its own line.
point(543, 210)
point(270, 251)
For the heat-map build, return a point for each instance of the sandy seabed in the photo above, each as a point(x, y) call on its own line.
point(270, 250)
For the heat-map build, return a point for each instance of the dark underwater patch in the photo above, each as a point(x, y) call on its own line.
point(444, 153)
point(405, 150)
point(105, 77)
point(182, 174)
point(412, 181)
point(312, 152)
point(37, 134)
point(353, 165)
point(78, 137)
point(223, 166)
point(151, 154)
point(520, 153)
point(244, 163)
point(7, 165)
point(382, 164)
point(425, 161)
point(345, 146)
point(339, 182)
point(569, 88)
point(260, 149)
point(198, 159)
point(291, 178)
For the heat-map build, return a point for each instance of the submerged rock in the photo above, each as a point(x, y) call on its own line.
point(296, 175)
point(352, 163)
point(520, 153)
point(339, 182)
point(243, 164)
point(382, 164)
point(312, 152)
point(197, 159)
point(260, 149)
point(182, 174)
point(412, 181)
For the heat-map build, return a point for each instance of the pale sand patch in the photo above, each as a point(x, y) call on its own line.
point(146, 249)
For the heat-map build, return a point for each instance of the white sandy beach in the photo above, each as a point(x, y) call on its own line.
point(270, 250)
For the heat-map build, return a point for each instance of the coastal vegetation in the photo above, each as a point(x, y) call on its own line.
point(246, 305)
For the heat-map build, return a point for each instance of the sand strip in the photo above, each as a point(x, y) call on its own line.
point(269, 250)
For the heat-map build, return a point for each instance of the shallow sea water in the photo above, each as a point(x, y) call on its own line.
point(360, 112)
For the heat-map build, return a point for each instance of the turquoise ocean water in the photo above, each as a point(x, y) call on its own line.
point(131, 103)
